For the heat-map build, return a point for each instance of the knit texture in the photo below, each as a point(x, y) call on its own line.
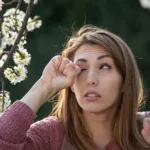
point(18, 132)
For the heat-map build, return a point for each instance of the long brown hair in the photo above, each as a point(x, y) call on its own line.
point(126, 129)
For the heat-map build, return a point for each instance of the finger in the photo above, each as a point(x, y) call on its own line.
point(65, 71)
point(64, 62)
point(70, 64)
point(77, 69)
point(57, 61)
point(70, 74)
point(67, 80)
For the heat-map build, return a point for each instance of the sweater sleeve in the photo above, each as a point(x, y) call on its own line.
point(16, 131)
point(147, 114)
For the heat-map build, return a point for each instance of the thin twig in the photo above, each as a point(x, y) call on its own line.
point(18, 7)
point(3, 93)
point(1, 21)
point(13, 49)
point(10, 3)
point(19, 4)
point(21, 55)
point(11, 28)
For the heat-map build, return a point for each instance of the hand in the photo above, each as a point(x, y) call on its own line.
point(146, 129)
point(59, 73)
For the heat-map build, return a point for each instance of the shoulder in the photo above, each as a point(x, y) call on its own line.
point(51, 129)
point(50, 121)
point(49, 124)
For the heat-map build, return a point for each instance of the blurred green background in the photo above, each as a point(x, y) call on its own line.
point(126, 18)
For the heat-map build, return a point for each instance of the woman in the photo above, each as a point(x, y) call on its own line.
point(100, 95)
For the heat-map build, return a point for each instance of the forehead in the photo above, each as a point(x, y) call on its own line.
point(90, 52)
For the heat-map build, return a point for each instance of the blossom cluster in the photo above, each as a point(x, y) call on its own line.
point(12, 23)
point(10, 27)
point(16, 74)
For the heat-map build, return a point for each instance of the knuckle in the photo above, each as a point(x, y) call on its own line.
point(72, 73)
point(57, 57)
point(66, 60)
point(70, 67)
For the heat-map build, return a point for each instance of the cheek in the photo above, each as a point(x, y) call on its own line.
point(79, 80)
point(116, 88)
point(77, 85)
point(113, 83)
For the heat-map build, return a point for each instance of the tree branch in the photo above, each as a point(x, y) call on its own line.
point(13, 49)
point(19, 4)
point(10, 3)
point(1, 20)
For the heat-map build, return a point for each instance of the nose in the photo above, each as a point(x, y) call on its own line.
point(92, 77)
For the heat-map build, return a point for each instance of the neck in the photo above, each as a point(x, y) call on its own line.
point(100, 126)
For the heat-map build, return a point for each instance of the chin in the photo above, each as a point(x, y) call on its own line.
point(94, 110)
point(97, 109)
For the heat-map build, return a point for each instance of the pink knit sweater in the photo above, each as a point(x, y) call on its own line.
point(18, 132)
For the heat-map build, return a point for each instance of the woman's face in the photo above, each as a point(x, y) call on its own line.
point(99, 85)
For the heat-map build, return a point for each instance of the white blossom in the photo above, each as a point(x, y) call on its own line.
point(27, 1)
point(4, 57)
point(7, 101)
point(30, 26)
point(23, 59)
point(145, 3)
point(1, 63)
point(1, 50)
point(33, 23)
point(12, 24)
point(38, 24)
point(3, 43)
point(15, 75)
point(11, 12)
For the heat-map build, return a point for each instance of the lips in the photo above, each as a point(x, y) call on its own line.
point(92, 93)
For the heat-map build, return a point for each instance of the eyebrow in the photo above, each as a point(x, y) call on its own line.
point(98, 58)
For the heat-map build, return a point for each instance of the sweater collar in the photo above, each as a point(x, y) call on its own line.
point(110, 146)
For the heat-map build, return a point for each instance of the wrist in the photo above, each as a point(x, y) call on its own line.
point(46, 89)
point(38, 95)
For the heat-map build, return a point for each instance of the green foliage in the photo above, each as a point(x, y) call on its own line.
point(125, 18)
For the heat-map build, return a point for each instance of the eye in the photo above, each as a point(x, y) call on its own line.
point(105, 66)
point(82, 69)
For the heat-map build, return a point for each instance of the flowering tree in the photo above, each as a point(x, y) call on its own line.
point(14, 26)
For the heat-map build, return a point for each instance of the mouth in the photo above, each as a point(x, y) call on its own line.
point(91, 95)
